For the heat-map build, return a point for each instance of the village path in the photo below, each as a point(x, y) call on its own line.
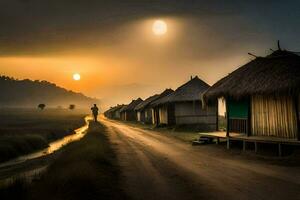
point(155, 166)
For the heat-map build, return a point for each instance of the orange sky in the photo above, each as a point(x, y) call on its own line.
point(125, 61)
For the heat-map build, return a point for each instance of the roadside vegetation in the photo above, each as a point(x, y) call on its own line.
point(27, 130)
point(86, 169)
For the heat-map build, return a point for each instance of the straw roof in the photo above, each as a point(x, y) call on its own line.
point(275, 74)
point(189, 91)
point(149, 100)
point(132, 105)
point(145, 103)
point(114, 109)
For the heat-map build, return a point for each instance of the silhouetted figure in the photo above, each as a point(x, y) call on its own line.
point(95, 110)
point(41, 106)
point(72, 106)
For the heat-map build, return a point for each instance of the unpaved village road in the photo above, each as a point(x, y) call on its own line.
point(155, 166)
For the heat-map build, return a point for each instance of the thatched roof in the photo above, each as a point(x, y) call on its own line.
point(149, 100)
point(145, 103)
point(132, 105)
point(114, 109)
point(275, 74)
point(189, 91)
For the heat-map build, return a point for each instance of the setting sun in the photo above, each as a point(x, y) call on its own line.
point(159, 27)
point(76, 77)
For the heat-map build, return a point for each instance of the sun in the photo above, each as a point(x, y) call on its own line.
point(76, 77)
point(159, 27)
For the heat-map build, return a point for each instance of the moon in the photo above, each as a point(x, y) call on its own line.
point(76, 77)
point(159, 27)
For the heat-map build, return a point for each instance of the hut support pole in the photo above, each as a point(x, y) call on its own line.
point(296, 103)
point(227, 118)
point(279, 149)
point(218, 140)
point(228, 143)
point(255, 147)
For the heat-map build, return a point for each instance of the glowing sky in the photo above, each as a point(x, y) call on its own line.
point(112, 46)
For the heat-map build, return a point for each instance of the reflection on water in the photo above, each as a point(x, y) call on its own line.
point(53, 146)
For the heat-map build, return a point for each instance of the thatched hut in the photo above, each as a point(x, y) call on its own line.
point(108, 113)
point(183, 106)
point(262, 97)
point(144, 110)
point(114, 112)
point(128, 113)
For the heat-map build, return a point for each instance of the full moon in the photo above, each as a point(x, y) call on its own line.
point(159, 27)
point(76, 77)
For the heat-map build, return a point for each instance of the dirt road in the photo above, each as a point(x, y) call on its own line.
point(155, 166)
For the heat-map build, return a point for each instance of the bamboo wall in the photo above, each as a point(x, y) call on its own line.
point(117, 114)
point(163, 114)
point(193, 113)
point(148, 116)
point(273, 116)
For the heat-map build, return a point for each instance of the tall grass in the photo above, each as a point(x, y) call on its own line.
point(13, 146)
point(86, 169)
point(23, 131)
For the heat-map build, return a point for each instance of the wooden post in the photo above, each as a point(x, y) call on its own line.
point(227, 118)
point(279, 150)
point(255, 147)
point(244, 145)
point(296, 103)
point(228, 143)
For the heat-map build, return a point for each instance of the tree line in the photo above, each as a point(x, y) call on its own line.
point(28, 92)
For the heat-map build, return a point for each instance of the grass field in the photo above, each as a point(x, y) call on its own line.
point(26, 130)
point(86, 169)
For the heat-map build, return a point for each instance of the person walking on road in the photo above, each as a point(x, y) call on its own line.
point(95, 110)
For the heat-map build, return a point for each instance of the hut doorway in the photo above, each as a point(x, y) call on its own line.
point(238, 112)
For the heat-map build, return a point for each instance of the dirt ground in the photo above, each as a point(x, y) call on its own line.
point(157, 166)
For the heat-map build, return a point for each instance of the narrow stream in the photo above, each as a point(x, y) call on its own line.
point(53, 146)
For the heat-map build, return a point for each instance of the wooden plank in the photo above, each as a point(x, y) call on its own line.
point(261, 139)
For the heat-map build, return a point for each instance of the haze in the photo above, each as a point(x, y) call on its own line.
point(112, 46)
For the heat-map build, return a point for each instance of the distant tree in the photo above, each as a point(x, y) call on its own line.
point(72, 106)
point(41, 106)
